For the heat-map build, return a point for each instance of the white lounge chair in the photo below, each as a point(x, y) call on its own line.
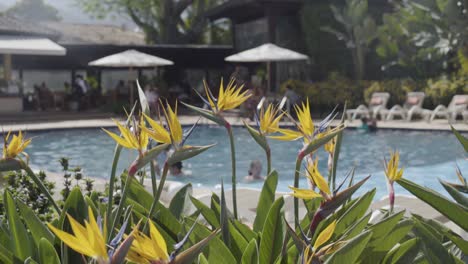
point(377, 105)
point(456, 107)
point(412, 106)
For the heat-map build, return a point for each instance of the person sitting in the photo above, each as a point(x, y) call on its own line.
point(255, 171)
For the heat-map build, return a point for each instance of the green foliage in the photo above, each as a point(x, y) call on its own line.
point(358, 31)
point(396, 88)
point(22, 187)
point(163, 21)
point(442, 89)
point(325, 95)
point(34, 10)
point(423, 36)
point(337, 227)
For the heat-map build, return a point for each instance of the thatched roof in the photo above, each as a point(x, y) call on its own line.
point(95, 34)
point(10, 25)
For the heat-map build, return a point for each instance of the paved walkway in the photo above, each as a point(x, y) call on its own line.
point(42, 124)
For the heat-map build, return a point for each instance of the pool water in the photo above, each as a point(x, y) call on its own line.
point(426, 156)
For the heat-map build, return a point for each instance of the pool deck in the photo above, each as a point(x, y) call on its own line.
point(99, 122)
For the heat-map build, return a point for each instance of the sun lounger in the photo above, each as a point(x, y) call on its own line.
point(377, 105)
point(457, 106)
point(411, 107)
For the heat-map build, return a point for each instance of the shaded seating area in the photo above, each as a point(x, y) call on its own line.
point(411, 107)
point(377, 105)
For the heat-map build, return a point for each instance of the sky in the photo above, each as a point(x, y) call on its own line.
point(71, 13)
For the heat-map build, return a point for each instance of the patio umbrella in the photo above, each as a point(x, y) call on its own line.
point(130, 59)
point(266, 53)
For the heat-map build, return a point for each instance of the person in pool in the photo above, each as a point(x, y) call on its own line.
point(255, 171)
point(176, 169)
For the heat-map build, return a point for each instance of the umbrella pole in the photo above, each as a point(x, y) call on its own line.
point(269, 77)
point(131, 86)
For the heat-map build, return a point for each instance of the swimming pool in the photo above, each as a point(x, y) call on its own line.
point(426, 156)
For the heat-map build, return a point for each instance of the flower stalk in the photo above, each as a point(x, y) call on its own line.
point(233, 168)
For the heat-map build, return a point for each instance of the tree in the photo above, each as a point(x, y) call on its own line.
point(34, 10)
point(358, 31)
point(163, 21)
point(425, 36)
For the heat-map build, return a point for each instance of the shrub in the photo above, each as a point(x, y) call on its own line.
point(441, 90)
point(325, 95)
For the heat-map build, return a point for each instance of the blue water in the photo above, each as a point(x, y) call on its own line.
point(426, 156)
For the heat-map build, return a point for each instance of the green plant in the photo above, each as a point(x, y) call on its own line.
point(337, 226)
point(358, 34)
point(441, 90)
point(23, 188)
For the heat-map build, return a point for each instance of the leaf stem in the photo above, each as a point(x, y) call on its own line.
point(110, 198)
point(268, 157)
point(233, 167)
point(41, 185)
point(299, 159)
point(131, 174)
point(158, 194)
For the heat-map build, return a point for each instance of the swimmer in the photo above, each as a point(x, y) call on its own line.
point(176, 169)
point(255, 171)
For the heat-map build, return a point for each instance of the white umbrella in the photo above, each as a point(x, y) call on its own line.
point(266, 53)
point(130, 59)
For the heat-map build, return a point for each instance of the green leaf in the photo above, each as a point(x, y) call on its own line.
point(318, 142)
point(244, 230)
point(178, 203)
point(382, 228)
point(456, 195)
point(224, 219)
point(18, 233)
point(164, 218)
point(187, 152)
point(238, 243)
point(260, 139)
point(250, 255)
point(457, 213)
point(463, 140)
point(36, 226)
point(267, 197)
point(76, 207)
point(47, 253)
point(336, 151)
point(143, 100)
point(207, 114)
point(357, 228)
point(403, 253)
point(433, 248)
point(150, 155)
point(350, 252)
point(207, 213)
point(6, 256)
point(190, 254)
point(216, 251)
point(202, 259)
point(445, 231)
point(273, 233)
point(355, 212)
point(9, 165)
point(381, 246)
point(298, 242)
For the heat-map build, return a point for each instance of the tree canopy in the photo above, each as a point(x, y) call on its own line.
point(34, 10)
point(163, 21)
